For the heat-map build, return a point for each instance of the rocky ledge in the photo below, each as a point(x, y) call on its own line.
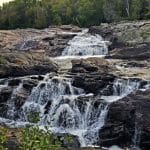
point(50, 41)
point(92, 74)
point(22, 64)
point(28, 52)
point(128, 122)
point(130, 40)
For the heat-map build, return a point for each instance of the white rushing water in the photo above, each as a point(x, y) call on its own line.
point(67, 109)
point(86, 44)
point(121, 88)
point(64, 108)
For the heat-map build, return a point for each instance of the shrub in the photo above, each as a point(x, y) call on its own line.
point(34, 117)
point(3, 138)
point(35, 139)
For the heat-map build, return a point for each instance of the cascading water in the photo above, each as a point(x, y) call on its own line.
point(121, 88)
point(86, 44)
point(137, 132)
point(67, 109)
point(60, 107)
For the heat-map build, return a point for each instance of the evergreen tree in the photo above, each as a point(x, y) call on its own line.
point(43, 13)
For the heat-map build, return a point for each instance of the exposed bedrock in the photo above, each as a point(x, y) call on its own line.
point(92, 74)
point(50, 41)
point(130, 40)
point(22, 64)
point(128, 122)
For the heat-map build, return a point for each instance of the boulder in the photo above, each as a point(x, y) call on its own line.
point(14, 82)
point(5, 95)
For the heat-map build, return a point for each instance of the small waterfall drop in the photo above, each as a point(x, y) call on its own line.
point(122, 88)
point(61, 108)
point(137, 131)
point(85, 44)
point(64, 108)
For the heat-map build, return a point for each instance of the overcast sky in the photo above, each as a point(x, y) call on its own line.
point(2, 1)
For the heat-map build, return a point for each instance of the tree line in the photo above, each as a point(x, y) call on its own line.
point(84, 13)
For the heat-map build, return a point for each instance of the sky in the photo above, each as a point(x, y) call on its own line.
point(2, 1)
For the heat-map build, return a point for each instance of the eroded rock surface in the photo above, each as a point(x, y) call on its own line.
point(130, 40)
point(92, 74)
point(126, 118)
point(50, 41)
point(22, 64)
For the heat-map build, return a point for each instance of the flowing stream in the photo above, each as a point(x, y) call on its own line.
point(65, 108)
point(86, 44)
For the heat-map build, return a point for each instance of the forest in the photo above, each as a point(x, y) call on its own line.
point(84, 13)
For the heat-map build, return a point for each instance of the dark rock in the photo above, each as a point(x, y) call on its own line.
point(29, 84)
point(22, 65)
point(92, 75)
point(123, 117)
point(12, 144)
point(14, 82)
point(5, 94)
point(40, 77)
point(136, 53)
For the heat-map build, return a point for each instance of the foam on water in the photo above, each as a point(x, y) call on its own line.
point(121, 88)
point(86, 44)
point(61, 108)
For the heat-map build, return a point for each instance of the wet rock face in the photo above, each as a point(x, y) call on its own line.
point(5, 94)
point(124, 117)
point(92, 74)
point(17, 92)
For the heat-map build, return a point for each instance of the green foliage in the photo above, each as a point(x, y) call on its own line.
point(68, 138)
point(35, 139)
point(3, 138)
point(43, 13)
point(33, 117)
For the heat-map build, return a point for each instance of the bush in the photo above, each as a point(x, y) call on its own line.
point(3, 138)
point(35, 139)
point(34, 117)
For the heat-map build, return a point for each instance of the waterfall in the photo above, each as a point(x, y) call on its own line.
point(122, 88)
point(86, 44)
point(64, 108)
point(61, 108)
point(138, 130)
